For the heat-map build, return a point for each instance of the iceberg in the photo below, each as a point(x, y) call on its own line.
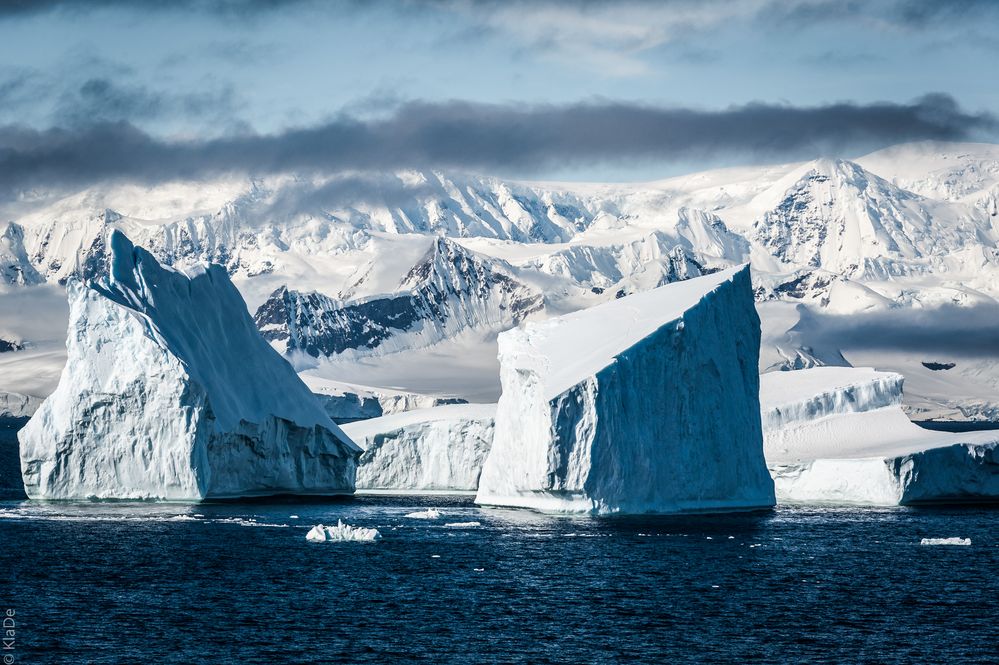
point(341, 533)
point(649, 403)
point(839, 435)
point(945, 541)
point(437, 449)
point(15, 405)
point(345, 403)
point(428, 514)
point(169, 392)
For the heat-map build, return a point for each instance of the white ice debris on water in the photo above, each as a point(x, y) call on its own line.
point(341, 533)
point(839, 435)
point(459, 525)
point(169, 392)
point(648, 403)
point(945, 541)
point(437, 449)
point(428, 514)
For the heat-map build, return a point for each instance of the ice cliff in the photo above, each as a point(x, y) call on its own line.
point(436, 449)
point(649, 403)
point(839, 435)
point(169, 392)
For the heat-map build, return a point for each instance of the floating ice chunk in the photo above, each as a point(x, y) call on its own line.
point(839, 435)
point(169, 392)
point(316, 534)
point(463, 524)
point(945, 541)
point(428, 514)
point(649, 403)
point(341, 533)
point(442, 448)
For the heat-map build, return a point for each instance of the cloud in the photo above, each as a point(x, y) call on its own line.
point(940, 333)
point(344, 191)
point(483, 137)
point(605, 37)
point(102, 100)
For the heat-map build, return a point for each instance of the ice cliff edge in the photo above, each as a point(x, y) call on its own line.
point(649, 403)
point(169, 392)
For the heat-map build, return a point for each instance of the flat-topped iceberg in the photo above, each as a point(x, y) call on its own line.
point(945, 541)
point(839, 435)
point(169, 392)
point(437, 449)
point(649, 403)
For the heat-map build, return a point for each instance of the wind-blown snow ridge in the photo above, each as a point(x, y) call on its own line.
point(170, 393)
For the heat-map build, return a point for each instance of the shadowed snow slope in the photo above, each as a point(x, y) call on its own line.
point(450, 290)
point(169, 392)
point(649, 403)
point(839, 435)
point(436, 449)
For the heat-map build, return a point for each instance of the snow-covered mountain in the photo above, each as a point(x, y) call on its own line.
point(448, 291)
point(838, 217)
point(326, 262)
point(15, 267)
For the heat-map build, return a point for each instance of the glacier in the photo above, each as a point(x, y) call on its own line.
point(840, 435)
point(169, 392)
point(649, 403)
point(437, 449)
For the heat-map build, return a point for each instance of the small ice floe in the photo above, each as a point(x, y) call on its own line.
point(248, 522)
point(183, 518)
point(435, 556)
point(341, 533)
point(478, 570)
point(428, 514)
point(459, 525)
point(945, 541)
point(293, 517)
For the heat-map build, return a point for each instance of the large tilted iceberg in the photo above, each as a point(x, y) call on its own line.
point(438, 449)
point(839, 435)
point(169, 392)
point(649, 403)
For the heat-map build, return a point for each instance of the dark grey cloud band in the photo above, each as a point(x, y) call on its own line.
point(483, 137)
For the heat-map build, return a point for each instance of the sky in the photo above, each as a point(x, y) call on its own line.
point(551, 89)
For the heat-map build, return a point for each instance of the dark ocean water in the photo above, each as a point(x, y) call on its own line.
point(238, 583)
